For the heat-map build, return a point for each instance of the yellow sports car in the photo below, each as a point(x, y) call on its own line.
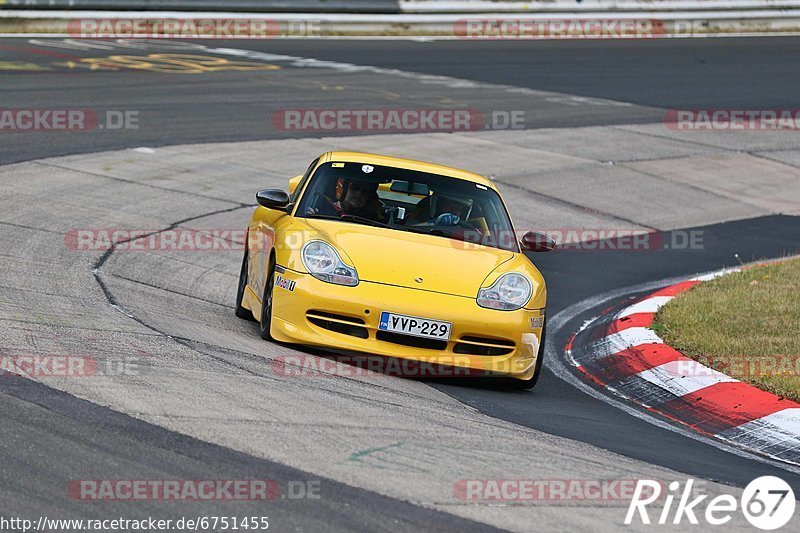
point(371, 254)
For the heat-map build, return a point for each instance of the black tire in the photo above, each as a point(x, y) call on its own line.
point(528, 384)
point(266, 304)
point(241, 311)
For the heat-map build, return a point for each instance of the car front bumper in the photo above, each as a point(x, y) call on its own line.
point(311, 312)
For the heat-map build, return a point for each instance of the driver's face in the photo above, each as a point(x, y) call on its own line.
point(358, 195)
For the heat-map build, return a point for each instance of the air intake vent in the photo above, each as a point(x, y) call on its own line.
point(339, 323)
point(325, 314)
point(474, 345)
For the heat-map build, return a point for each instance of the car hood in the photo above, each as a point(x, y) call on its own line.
point(401, 258)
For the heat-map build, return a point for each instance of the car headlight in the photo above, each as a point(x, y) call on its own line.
point(322, 262)
point(509, 292)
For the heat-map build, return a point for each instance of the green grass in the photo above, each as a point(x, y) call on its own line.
point(745, 324)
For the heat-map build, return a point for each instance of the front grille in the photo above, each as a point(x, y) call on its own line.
point(408, 340)
point(474, 345)
point(345, 325)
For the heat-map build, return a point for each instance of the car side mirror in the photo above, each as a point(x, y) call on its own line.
point(273, 198)
point(537, 242)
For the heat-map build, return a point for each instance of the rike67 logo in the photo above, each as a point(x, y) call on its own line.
point(767, 503)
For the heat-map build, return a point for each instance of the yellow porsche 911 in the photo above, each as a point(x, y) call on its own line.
point(371, 254)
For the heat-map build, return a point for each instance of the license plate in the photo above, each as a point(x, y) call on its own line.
point(414, 325)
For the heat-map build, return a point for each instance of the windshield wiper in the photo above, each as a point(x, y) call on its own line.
point(353, 218)
point(364, 220)
point(438, 232)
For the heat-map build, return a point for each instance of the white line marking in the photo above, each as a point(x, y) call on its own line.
point(630, 338)
point(684, 377)
point(777, 434)
point(787, 420)
point(779, 426)
point(650, 305)
point(715, 275)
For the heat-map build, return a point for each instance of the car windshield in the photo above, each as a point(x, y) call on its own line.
point(408, 200)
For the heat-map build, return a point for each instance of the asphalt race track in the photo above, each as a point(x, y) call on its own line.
point(651, 75)
point(594, 152)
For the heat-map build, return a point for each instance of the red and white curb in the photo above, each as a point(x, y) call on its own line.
point(620, 353)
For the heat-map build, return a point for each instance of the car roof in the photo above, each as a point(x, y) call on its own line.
point(410, 164)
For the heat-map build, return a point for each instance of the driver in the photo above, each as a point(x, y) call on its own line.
point(359, 198)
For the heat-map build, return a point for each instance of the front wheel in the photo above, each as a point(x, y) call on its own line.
point(266, 304)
